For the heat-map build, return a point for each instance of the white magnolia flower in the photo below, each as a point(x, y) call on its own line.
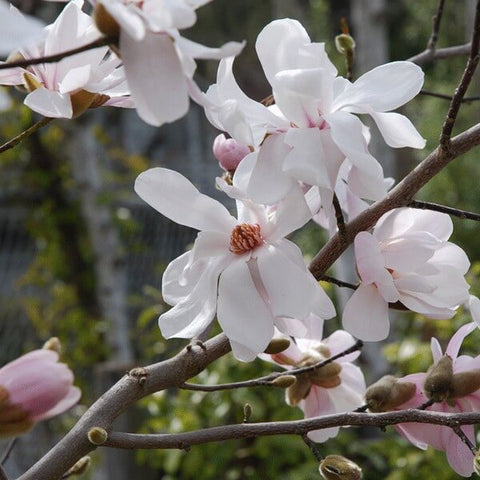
point(67, 88)
point(408, 259)
point(336, 388)
point(159, 63)
point(244, 270)
point(311, 126)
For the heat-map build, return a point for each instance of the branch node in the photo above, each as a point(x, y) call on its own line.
point(140, 374)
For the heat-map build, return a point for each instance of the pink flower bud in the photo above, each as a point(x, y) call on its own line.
point(229, 152)
point(35, 387)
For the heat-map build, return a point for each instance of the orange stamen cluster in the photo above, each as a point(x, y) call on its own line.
point(245, 237)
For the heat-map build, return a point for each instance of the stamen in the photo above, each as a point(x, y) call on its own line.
point(244, 238)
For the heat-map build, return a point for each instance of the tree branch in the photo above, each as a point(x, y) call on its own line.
point(25, 134)
point(444, 209)
point(437, 18)
point(428, 56)
point(448, 97)
point(400, 196)
point(296, 427)
point(138, 383)
point(100, 42)
point(337, 282)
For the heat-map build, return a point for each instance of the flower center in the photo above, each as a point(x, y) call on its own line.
point(244, 238)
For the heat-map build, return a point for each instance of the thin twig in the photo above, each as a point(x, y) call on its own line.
point(437, 18)
point(426, 404)
point(448, 97)
point(6, 453)
point(295, 427)
point(428, 56)
point(463, 214)
point(313, 447)
point(100, 42)
point(267, 380)
point(25, 134)
point(445, 138)
point(336, 281)
point(339, 215)
point(465, 439)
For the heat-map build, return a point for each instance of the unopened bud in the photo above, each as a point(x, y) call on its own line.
point(105, 22)
point(299, 390)
point(83, 100)
point(247, 412)
point(345, 44)
point(97, 436)
point(284, 381)
point(465, 383)
point(229, 152)
point(336, 467)
point(388, 393)
point(277, 345)
point(327, 376)
point(79, 468)
point(53, 344)
point(438, 384)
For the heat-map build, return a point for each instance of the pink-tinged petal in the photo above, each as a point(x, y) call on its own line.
point(437, 353)
point(289, 289)
point(11, 76)
point(456, 341)
point(170, 193)
point(192, 315)
point(318, 403)
point(405, 254)
point(128, 19)
point(25, 362)
point(348, 396)
point(394, 224)
point(384, 88)
point(416, 304)
point(314, 325)
point(210, 244)
point(169, 14)
point(158, 86)
point(366, 314)
point(452, 255)
point(291, 327)
point(49, 103)
point(366, 177)
point(474, 306)
point(338, 342)
point(397, 130)
point(414, 284)
point(268, 182)
point(75, 79)
point(459, 455)
point(314, 159)
point(72, 398)
point(242, 312)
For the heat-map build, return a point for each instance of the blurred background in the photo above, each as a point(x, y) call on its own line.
point(81, 257)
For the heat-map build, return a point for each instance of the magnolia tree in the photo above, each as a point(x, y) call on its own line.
point(301, 155)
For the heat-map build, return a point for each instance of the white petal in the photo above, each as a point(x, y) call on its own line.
point(456, 341)
point(127, 17)
point(155, 77)
point(197, 50)
point(174, 196)
point(366, 314)
point(384, 88)
point(242, 312)
point(75, 79)
point(176, 283)
point(49, 103)
point(474, 305)
point(405, 254)
point(397, 130)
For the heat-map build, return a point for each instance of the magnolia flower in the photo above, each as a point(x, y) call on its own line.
point(229, 152)
point(67, 88)
point(464, 396)
point(159, 63)
point(406, 259)
point(34, 387)
point(241, 269)
point(311, 126)
point(337, 387)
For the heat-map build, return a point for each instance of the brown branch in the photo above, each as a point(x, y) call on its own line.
point(437, 18)
point(448, 97)
point(100, 42)
point(463, 85)
point(137, 384)
point(267, 380)
point(337, 282)
point(25, 134)
point(401, 195)
point(461, 434)
point(296, 427)
point(463, 214)
point(339, 215)
point(428, 56)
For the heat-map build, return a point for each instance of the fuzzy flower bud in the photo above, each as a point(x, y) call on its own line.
point(438, 385)
point(336, 467)
point(229, 152)
point(34, 387)
point(388, 393)
point(277, 345)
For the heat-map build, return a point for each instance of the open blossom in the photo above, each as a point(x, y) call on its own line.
point(67, 88)
point(464, 396)
point(311, 127)
point(243, 270)
point(34, 387)
point(337, 387)
point(408, 259)
point(159, 63)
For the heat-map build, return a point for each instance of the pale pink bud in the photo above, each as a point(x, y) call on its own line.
point(229, 152)
point(37, 386)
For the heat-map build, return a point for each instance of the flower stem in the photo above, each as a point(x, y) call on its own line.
point(25, 134)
